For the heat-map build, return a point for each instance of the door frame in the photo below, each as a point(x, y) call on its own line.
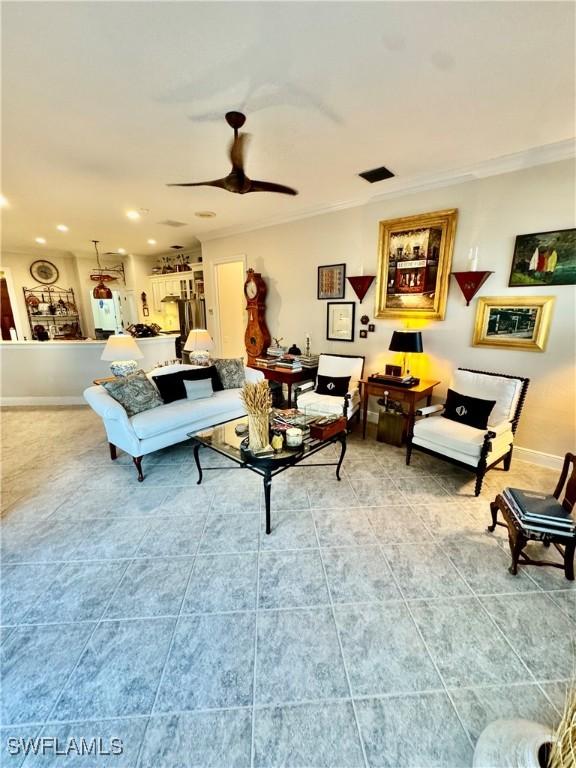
point(215, 321)
point(20, 327)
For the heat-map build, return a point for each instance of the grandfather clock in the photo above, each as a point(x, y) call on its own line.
point(257, 337)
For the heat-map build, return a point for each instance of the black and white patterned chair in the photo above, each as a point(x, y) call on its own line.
point(475, 449)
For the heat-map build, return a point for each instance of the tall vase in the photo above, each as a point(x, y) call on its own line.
point(512, 744)
point(258, 426)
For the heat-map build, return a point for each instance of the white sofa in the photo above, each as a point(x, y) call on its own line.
point(167, 424)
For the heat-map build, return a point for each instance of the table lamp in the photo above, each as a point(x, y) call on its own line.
point(406, 342)
point(123, 351)
point(198, 343)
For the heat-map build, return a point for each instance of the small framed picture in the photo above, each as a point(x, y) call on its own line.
point(513, 323)
point(363, 334)
point(331, 281)
point(340, 320)
point(371, 327)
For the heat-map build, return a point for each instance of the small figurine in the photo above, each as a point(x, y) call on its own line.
point(277, 340)
point(294, 350)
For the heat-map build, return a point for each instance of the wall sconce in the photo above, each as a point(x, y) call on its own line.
point(471, 282)
point(360, 284)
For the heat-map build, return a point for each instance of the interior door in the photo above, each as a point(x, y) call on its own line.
point(231, 307)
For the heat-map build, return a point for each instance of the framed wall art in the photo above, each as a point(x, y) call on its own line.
point(513, 323)
point(340, 320)
point(544, 258)
point(414, 259)
point(331, 281)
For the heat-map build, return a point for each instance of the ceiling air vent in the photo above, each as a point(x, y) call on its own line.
point(172, 223)
point(177, 247)
point(376, 174)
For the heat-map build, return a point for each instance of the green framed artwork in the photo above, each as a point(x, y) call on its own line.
point(544, 258)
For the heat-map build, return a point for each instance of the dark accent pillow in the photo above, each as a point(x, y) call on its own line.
point(231, 372)
point(170, 386)
point(472, 411)
point(209, 372)
point(135, 392)
point(332, 385)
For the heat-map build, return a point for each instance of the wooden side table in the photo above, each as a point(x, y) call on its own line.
point(410, 395)
point(518, 537)
point(284, 376)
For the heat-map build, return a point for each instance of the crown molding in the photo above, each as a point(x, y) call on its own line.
point(398, 186)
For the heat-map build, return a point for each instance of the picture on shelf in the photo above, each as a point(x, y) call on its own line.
point(331, 281)
point(340, 321)
point(512, 323)
point(415, 255)
point(544, 258)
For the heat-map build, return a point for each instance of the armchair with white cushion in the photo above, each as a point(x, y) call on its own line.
point(475, 449)
point(306, 397)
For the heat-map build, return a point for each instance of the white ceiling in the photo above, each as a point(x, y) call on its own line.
point(104, 103)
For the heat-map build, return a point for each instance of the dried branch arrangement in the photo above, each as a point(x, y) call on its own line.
point(258, 401)
point(257, 398)
point(563, 751)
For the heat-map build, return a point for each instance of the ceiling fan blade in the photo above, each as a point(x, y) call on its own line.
point(237, 151)
point(222, 183)
point(269, 186)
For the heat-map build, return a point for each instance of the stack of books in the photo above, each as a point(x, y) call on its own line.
point(539, 512)
point(289, 363)
point(276, 351)
point(309, 361)
point(265, 362)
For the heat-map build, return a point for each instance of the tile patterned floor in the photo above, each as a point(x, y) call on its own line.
point(376, 626)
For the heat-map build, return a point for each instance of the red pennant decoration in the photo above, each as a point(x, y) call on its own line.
point(470, 283)
point(361, 283)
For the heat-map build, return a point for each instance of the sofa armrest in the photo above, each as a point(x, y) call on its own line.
point(253, 376)
point(105, 406)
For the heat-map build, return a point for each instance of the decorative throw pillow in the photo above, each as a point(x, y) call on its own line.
point(170, 386)
point(332, 385)
point(209, 372)
point(196, 390)
point(135, 392)
point(231, 372)
point(472, 411)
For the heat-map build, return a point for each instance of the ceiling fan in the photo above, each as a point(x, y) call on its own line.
point(237, 181)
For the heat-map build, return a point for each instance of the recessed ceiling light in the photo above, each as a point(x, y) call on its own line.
point(122, 250)
point(134, 215)
point(3, 202)
point(205, 214)
point(41, 240)
point(151, 242)
point(62, 228)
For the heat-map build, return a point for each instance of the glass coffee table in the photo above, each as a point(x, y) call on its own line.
point(223, 439)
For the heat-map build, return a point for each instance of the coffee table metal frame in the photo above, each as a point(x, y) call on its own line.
point(269, 466)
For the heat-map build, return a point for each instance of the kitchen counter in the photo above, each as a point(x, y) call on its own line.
point(57, 372)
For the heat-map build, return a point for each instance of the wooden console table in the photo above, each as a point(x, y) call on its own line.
point(409, 395)
point(285, 376)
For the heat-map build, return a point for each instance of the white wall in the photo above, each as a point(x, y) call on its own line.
point(492, 211)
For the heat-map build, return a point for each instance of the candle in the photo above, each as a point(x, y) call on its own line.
point(473, 259)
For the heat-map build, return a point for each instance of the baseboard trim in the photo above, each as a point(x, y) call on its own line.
point(7, 402)
point(541, 459)
point(549, 460)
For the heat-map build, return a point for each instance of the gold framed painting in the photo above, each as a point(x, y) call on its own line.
point(513, 323)
point(414, 259)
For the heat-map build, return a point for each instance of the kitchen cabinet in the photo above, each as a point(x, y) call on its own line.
point(186, 285)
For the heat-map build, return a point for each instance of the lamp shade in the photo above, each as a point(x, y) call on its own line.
point(121, 347)
point(406, 341)
point(198, 339)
